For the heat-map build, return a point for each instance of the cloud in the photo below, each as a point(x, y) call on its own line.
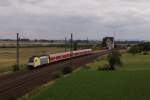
point(86, 18)
point(31, 1)
point(4, 3)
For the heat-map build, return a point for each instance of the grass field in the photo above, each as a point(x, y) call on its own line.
point(131, 82)
point(8, 55)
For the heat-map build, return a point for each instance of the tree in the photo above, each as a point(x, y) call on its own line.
point(134, 50)
point(144, 47)
point(67, 70)
point(140, 48)
point(114, 59)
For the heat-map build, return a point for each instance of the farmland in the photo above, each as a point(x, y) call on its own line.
point(8, 55)
point(129, 82)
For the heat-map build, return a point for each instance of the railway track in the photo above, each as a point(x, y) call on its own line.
point(22, 82)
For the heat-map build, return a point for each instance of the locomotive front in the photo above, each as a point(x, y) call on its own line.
point(33, 62)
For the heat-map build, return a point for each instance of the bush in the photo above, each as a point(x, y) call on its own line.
point(12, 98)
point(67, 70)
point(145, 53)
point(104, 67)
point(56, 75)
point(23, 66)
point(86, 67)
point(134, 50)
point(15, 68)
point(97, 47)
point(114, 59)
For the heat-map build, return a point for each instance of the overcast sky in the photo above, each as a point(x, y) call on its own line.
point(55, 19)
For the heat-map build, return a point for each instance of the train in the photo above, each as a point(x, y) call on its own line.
point(37, 61)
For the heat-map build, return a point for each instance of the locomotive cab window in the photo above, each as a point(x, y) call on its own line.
point(31, 59)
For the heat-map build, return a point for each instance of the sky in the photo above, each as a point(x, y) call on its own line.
point(92, 19)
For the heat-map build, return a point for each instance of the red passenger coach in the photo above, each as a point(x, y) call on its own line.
point(59, 56)
point(67, 55)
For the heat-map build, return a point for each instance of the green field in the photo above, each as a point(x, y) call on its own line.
point(8, 55)
point(131, 82)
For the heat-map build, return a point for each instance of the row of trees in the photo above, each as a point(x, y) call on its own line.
point(140, 48)
point(114, 57)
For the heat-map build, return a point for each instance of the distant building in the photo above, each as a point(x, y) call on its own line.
point(108, 42)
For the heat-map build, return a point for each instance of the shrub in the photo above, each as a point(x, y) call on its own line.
point(15, 67)
point(86, 67)
point(104, 67)
point(12, 98)
point(114, 59)
point(56, 75)
point(145, 53)
point(134, 50)
point(67, 70)
point(22, 66)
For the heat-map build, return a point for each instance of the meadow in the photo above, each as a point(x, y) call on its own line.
point(8, 55)
point(129, 82)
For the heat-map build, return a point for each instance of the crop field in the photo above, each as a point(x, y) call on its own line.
point(130, 82)
point(8, 55)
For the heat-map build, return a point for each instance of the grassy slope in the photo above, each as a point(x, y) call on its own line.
point(138, 62)
point(124, 84)
point(8, 55)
